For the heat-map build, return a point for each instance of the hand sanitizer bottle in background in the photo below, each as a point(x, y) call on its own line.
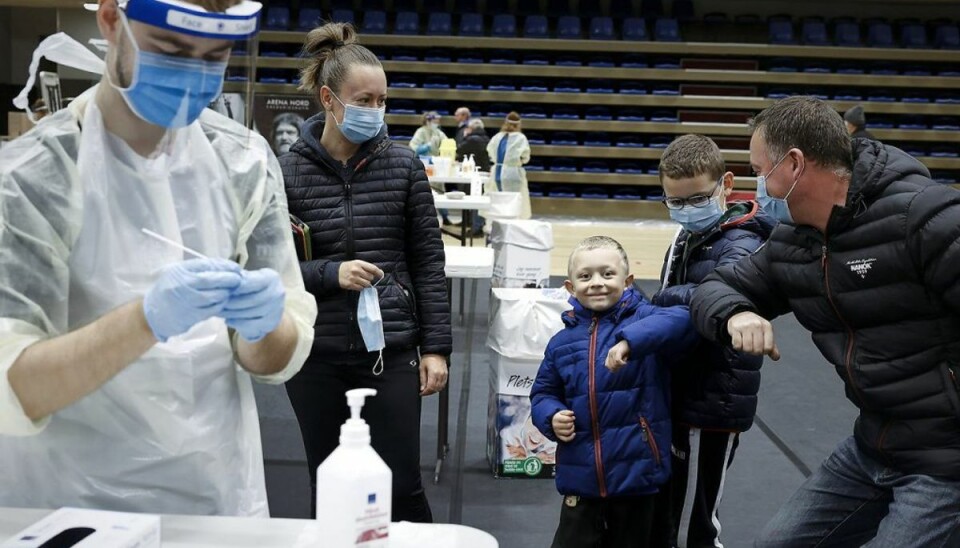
point(354, 486)
point(476, 184)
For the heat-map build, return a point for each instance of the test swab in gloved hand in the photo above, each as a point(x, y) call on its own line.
point(179, 246)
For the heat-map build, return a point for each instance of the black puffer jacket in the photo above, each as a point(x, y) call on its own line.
point(716, 387)
point(881, 295)
point(378, 208)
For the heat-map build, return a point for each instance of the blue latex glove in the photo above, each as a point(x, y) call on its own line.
point(256, 307)
point(188, 293)
point(423, 149)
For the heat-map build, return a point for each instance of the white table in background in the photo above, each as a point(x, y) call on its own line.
point(463, 263)
point(233, 532)
point(468, 205)
point(458, 179)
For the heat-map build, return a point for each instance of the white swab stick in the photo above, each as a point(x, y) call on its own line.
point(168, 241)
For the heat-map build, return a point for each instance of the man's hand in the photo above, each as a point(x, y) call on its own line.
point(433, 374)
point(618, 356)
point(187, 293)
point(255, 307)
point(752, 334)
point(356, 275)
point(563, 425)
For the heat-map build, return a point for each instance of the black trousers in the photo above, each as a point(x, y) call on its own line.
point(605, 523)
point(687, 506)
point(317, 397)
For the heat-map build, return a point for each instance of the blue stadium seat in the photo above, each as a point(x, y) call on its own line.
point(651, 9)
point(531, 111)
point(594, 192)
point(374, 22)
point(660, 141)
point(783, 64)
point(404, 81)
point(849, 68)
point(880, 122)
point(631, 168)
point(848, 95)
point(634, 60)
point(819, 93)
point(596, 166)
point(566, 113)
point(683, 10)
point(948, 99)
point(778, 93)
point(912, 122)
point(567, 86)
point(408, 23)
point(631, 115)
point(401, 54)
point(881, 96)
point(814, 32)
point(470, 56)
point(503, 57)
point(598, 113)
point(563, 165)
point(535, 137)
point(504, 26)
point(600, 86)
point(948, 123)
point(666, 63)
point(917, 70)
point(533, 85)
point(947, 36)
point(627, 193)
point(596, 139)
point(501, 84)
point(342, 16)
point(535, 190)
point(278, 18)
point(915, 97)
point(309, 18)
point(622, 8)
point(401, 106)
point(601, 28)
point(569, 61)
point(535, 59)
point(847, 34)
point(438, 55)
point(535, 26)
point(568, 27)
point(633, 88)
point(665, 89)
point(400, 135)
point(664, 116)
point(781, 32)
point(635, 28)
point(884, 68)
point(498, 110)
point(440, 24)
point(468, 84)
point(914, 36)
point(562, 191)
point(880, 34)
point(667, 30)
point(471, 24)
point(631, 141)
point(564, 138)
point(716, 18)
point(818, 67)
point(272, 76)
point(943, 151)
point(601, 61)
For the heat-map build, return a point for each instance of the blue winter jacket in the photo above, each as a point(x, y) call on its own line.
point(622, 420)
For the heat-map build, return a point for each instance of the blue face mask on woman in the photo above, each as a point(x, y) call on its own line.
point(360, 124)
point(776, 207)
point(170, 91)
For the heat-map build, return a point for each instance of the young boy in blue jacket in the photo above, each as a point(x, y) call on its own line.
point(601, 392)
point(714, 389)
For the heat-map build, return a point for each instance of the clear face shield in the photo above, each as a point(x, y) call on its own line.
point(171, 61)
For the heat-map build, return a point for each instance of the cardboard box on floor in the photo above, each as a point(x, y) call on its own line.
point(522, 253)
point(522, 322)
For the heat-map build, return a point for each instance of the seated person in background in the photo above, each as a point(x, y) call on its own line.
point(475, 142)
point(714, 390)
point(612, 422)
point(856, 123)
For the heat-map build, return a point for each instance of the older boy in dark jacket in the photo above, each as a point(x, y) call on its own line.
point(612, 422)
point(715, 388)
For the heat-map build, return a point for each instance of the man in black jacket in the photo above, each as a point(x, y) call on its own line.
point(867, 257)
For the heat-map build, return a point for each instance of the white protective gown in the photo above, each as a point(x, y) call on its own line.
point(176, 431)
point(513, 178)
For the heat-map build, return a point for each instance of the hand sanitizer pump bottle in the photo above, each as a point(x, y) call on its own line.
point(354, 486)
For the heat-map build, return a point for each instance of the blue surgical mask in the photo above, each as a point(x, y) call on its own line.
point(170, 91)
point(360, 124)
point(698, 219)
point(371, 324)
point(776, 207)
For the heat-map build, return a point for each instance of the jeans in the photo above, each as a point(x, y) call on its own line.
point(853, 500)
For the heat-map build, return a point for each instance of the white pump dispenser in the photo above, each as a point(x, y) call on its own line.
point(354, 486)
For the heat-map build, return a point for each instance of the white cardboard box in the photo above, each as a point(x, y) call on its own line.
point(91, 529)
point(521, 253)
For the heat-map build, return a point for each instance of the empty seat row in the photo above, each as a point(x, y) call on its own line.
point(681, 9)
point(879, 34)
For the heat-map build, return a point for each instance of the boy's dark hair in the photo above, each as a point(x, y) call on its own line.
point(690, 156)
point(598, 242)
point(809, 124)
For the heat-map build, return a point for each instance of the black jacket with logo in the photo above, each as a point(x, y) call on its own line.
point(880, 292)
point(715, 387)
point(378, 208)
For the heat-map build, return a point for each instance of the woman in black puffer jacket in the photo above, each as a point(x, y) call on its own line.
point(373, 224)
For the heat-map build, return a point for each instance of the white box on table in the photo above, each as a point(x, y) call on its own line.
point(522, 253)
point(83, 528)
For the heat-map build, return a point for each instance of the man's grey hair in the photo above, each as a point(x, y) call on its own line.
point(809, 124)
point(598, 242)
point(475, 124)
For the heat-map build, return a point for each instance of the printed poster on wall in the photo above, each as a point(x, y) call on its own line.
point(279, 118)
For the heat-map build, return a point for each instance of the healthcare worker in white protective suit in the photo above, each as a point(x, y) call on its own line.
point(125, 363)
point(509, 150)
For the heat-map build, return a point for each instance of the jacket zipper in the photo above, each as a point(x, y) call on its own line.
point(647, 433)
point(847, 360)
point(594, 414)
